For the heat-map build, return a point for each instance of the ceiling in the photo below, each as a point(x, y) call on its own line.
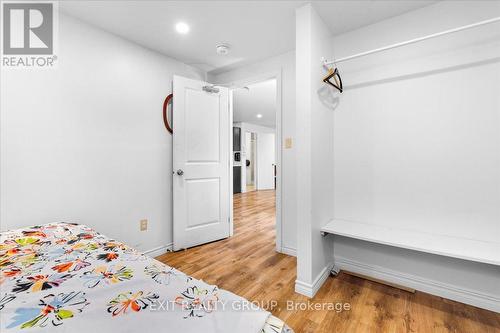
point(254, 30)
point(259, 98)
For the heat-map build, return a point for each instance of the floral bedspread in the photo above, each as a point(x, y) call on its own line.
point(65, 277)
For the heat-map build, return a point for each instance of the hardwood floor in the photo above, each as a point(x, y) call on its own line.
point(248, 265)
point(250, 188)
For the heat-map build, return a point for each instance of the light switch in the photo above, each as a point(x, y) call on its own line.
point(144, 225)
point(288, 143)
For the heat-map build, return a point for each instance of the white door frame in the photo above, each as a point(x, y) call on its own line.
point(276, 75)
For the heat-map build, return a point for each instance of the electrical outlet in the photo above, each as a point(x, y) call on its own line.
point(288, 143)
point(144, 225)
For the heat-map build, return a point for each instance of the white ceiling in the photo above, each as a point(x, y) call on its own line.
point(260, 98)
point(255, 30)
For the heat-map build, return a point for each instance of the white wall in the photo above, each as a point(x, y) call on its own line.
point(417, 146)
point(284, 64)
point(315, 110)
point(86, 142)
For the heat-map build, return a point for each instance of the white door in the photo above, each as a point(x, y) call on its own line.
point(265, 161)
point(201, 163)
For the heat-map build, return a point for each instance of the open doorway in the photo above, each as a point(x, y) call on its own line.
point(256, 155)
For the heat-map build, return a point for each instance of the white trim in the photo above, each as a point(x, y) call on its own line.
point(288, 251)
point(276, 75)
point(448, 291)
point(303, 288)
point(310, 290)
point(158, 251)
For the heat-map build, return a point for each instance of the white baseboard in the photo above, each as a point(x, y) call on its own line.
point(158, 251)
point(310, 290)
point(422, 284)
point(289, 251)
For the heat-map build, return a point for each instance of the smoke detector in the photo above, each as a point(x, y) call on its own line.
point(222, 49)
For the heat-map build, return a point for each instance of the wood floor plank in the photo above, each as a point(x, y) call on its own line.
point(247, 264)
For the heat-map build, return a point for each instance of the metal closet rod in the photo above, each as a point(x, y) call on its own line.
point(415, 40)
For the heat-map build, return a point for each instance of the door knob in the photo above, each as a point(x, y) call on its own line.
point(180, 172)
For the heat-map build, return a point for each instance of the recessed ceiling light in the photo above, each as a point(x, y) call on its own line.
point(259, 115)
point(182, 28)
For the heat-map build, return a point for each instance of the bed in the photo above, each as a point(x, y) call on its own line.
point(65, 277)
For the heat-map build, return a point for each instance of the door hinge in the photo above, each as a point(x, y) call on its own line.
point(211, 89)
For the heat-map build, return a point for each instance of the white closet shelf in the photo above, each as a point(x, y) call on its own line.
point(450, 246)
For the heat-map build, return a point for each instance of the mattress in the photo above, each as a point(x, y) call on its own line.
point(65, 277)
